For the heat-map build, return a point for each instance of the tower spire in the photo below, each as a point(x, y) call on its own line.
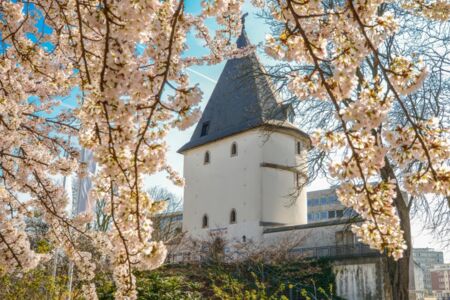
point(242, 99)
point(242, 40)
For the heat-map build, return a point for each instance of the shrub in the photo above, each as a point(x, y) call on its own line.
point(36, 284)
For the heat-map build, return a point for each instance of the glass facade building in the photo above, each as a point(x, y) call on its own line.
point(323, 205)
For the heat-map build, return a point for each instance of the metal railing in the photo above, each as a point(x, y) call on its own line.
point(354, 250)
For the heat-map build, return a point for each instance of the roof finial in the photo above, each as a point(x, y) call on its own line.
point(243, 20)
point(243, 41)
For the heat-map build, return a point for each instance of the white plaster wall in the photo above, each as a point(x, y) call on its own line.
point(226, 183)
point(280, 148)
point(239, 182)
point(282, 203)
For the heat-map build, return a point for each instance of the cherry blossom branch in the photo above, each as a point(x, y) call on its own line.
point(337, 108)
point(393, 89)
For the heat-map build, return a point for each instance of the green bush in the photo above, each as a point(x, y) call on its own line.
point(153, 285)
point(310, 279)
point(36, 284)
point(241, 281)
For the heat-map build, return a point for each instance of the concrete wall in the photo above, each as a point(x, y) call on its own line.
point(360, 279)
point(310, 235)
point(359, 275)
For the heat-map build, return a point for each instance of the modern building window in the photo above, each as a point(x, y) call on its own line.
point(234, 149)
point(339, 213)
point(205, 221)
point(348, 212)
point(205, 128)
point(233, 216)
point(331, 200)
point(323, 215)
point(207, 158)
point(299, 147)
point(331, 214)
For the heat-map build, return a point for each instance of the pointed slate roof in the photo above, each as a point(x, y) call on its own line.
point(242, 99)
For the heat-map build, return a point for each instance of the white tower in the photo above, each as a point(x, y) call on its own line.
point(243, 163)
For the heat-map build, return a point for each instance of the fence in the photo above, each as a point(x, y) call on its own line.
point(343, 251)
point(355, 250)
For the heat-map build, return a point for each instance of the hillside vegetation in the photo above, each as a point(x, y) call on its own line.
point(306, 279)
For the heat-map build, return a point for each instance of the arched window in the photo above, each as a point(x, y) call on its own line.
point(206, 159)
point(233, 149)
point(233, 216)
point(205, 221)
point(299, 147)
point(297, 179)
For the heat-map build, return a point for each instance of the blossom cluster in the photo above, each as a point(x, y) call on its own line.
point(12, 235)
point(381, 225)
point(129, 60)
point(405, 148)
point(436, 10)
point(334, 43)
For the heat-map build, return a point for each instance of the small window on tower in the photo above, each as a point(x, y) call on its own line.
point(205, 221)
point(291, 116)
point(206, 159)
point(233, 216)
point(289, 113)
point(299, 147)
point(297, 179)
point(205, 128)
point(234, 149)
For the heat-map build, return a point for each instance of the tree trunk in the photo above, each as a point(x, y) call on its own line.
point(398, 271)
